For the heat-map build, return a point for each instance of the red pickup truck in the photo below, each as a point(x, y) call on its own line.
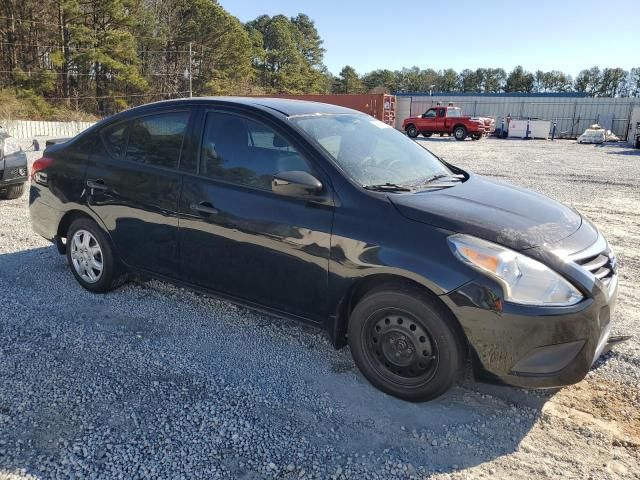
point(447, 120)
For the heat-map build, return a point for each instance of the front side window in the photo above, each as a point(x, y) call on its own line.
point(245, 152)
point(369, 151)
point(157, 139)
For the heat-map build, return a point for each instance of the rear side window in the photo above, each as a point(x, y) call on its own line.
point(245, 152)
point(157, 139)
point(115, 139)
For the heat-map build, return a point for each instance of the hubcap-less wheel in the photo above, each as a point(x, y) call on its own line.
point(459, 133)
point(86, 256)
point(412, 131)
point(400, 348)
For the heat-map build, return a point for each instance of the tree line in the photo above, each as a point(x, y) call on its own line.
point(101, 56)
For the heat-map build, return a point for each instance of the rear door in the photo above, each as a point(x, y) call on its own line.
point(133, 185)
point(238, 237)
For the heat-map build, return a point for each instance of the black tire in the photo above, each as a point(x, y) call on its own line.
point(12, 192)
point(405, 343)
point(637, 142)
point(476, 136)
point(112, 275)
point(412, 131)
point(426, 134)
point(460, 132)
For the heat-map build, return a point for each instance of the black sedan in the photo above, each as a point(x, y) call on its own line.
point(327, 215)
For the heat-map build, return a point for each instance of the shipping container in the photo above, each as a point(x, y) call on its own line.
point(379, 105)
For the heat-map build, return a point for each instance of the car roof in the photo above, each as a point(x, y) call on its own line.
point(285, 106)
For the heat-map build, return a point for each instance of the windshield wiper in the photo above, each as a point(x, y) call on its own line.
point(429, 180)
point(387, 187)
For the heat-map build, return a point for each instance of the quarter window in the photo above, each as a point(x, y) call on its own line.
point(242, 151)
point(157, 139)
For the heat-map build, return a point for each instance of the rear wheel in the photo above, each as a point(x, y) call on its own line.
point(12, 191)
point(412, 131)
point(91, 257)
point(406, 344)
point(460, 132)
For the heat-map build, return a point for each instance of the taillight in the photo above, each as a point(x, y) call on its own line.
point(40, 165)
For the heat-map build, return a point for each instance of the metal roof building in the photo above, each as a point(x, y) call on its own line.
point(572, 111)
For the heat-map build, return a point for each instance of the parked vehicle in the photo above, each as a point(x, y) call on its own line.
point(447, 120)
point(13, 167)
point(323, 214)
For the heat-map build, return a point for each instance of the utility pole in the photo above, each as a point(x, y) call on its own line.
point(190, 77)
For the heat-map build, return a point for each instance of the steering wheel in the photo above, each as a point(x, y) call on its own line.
point(393, 164)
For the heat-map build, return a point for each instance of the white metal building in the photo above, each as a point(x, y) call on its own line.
point(572, 112)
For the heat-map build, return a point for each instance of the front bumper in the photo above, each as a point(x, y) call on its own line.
point(13, 169)
point(530, 346)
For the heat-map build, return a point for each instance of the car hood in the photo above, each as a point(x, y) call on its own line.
point(511, 216)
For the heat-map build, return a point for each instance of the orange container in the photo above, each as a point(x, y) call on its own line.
point(379, 105)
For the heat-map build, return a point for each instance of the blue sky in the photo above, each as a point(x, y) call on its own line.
point(565, 35)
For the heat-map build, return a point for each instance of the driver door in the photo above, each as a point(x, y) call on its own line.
point(429, 119)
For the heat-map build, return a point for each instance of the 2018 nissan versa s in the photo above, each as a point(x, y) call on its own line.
point(324, 214)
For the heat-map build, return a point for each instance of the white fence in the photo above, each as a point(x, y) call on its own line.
point(27, 130)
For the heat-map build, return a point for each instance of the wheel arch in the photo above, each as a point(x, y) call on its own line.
point(339, 323)
point(65, 222)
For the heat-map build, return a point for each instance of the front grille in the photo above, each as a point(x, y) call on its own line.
point(15, 172)
point(599, 260)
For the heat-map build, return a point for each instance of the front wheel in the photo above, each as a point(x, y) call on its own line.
point(12, 192)
point(91, 257)
point(460, 133)
point(406, 344)
point(412, 131)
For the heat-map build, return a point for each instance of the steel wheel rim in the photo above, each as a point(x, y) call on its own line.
point(400, 348)
point(86, 256)
point(459, 133)
point(412, 131)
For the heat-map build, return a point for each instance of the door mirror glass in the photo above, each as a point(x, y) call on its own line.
point(296, 183)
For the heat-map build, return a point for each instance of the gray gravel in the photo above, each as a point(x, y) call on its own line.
point(154, 381)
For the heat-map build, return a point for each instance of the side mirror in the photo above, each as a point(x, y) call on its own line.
point(296, 183)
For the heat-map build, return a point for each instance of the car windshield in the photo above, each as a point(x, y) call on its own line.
point(371, 152)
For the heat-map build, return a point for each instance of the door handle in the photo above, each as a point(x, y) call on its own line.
point(204, 208)
point(96, 185)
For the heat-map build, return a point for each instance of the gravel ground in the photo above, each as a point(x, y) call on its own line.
point(154, 381)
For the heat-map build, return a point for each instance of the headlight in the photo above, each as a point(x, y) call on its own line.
point(11, 146)
point(525, 280)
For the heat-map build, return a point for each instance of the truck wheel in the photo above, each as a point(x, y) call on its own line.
point(476, 136)
point(405, 343)
point(426, 134)
point(412, 131)
point(460, 132)
point(12, 192)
